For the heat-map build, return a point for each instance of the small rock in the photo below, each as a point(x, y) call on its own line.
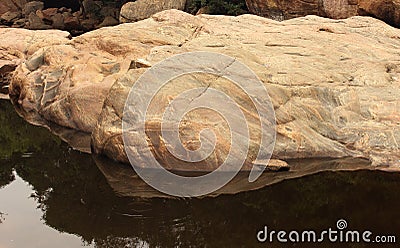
point(20, 23)
point(203, 10)
point(35, 61)
point(35, 23)
point(58, 21)
point(63, 9)
point(20, 3)
point(9, 16)
point(77, 13)
point(7, 5)
point(139, 63)
point(108, 21)
point(272, 165)
point(109, 11)
point(39, 13)
point(88, 24)
point(72, 22)
point(49, 13)
point(91, 7)
point(32, 7)
point(66, 14)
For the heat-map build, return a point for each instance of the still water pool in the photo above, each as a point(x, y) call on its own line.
point(53, 196)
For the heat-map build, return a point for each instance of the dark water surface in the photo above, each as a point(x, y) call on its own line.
point(53, 196)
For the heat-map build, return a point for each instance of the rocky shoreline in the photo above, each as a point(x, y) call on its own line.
point(334, 84)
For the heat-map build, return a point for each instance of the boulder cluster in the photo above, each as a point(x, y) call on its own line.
point(76, 17)
point(386, 10)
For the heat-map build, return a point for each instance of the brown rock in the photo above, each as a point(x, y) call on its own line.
point(32, 7)
point(91, 8)
point(108, 21)
point(142, 9)
point(36, 23)
point(89, 24)
point(49, 13)
point(20, 3)
point(9, 16)
point(6, 67)
point(386, 10)
point(71, 23)
point(203, 10)
point(20, 23)
point(58, 21)
point(109, 11)
point(39, 13)
point(8, 5)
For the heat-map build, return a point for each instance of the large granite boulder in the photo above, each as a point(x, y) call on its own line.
point(142, 9)
point(386, 10)
point(334, 85)
point(67, 83)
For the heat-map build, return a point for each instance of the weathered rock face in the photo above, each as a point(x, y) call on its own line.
point(17, 44)
point(64, 85)
point(142, 9)
point(11, 6)
point(319, 73)
point(334, 85)
point(386, 10)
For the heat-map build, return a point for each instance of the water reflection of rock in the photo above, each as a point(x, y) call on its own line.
point(86, 207)
point(78, 140)
point(82, 203)
point(126, 182)
point(76, 198)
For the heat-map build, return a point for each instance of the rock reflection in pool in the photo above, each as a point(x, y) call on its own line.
point(74, 197)
point(125, 182)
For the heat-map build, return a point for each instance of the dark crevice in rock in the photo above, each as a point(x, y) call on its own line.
point(74, 5)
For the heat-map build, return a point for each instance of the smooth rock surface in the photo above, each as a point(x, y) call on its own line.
point(323, 77)
point(334, 84)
